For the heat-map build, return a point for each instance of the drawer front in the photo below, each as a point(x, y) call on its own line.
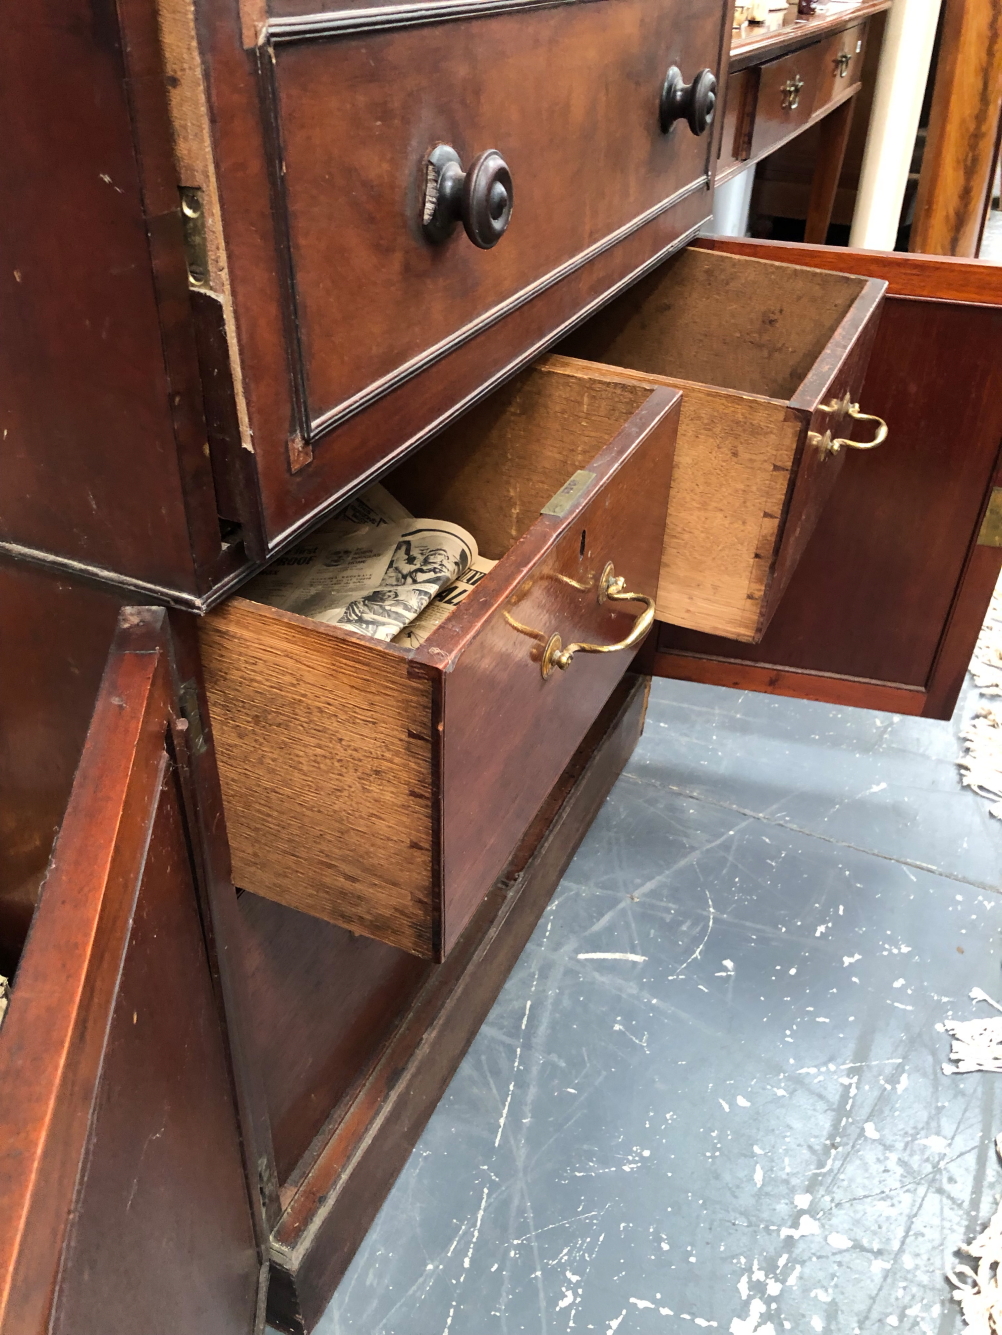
point(739, 119)
point(508, 731)
point(787, 89)
point(375, 298)
point(840, 65)
point(359, 332)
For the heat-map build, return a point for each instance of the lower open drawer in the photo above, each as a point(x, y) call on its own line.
point(384, 788)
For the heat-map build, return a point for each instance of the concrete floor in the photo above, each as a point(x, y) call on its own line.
point(710, 1094)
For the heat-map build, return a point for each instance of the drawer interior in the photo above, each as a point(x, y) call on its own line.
point(717, 319)
point(498, 466)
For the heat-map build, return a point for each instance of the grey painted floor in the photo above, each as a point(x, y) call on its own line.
point(710, 1094)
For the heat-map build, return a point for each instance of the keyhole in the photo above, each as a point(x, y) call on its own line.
point(584, 535)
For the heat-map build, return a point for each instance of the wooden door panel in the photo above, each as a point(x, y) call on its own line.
point(122, 1180)
point(885, 606)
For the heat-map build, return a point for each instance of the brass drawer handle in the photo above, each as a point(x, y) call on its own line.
point(829, 446)
point(613, 587)
point(791, 93)
point(843, 61)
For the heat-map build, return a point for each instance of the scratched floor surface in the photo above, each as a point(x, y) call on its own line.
point(710, 1094)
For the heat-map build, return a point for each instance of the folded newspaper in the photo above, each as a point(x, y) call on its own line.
point(374, 569)
point(443, 603)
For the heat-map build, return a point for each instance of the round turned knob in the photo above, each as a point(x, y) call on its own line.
point(481, 198)
point(693, 102)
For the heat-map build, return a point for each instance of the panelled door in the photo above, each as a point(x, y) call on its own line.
point(885, 606)
point(124, 1195)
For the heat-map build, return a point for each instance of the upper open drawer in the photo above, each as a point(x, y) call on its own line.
point(770, 359)
point(395, 207)
point(385, 788)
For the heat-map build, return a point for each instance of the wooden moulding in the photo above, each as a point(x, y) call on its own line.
point(369, 1135)
point(755, 349)
point(383, 788)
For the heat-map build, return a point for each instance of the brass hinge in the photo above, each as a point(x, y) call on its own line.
point(196, 242)
point(991, 526)
point(188, 699)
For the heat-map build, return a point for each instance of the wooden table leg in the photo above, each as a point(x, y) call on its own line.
point(827, 169)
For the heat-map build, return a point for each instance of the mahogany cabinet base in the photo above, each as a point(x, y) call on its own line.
point(373, 1132)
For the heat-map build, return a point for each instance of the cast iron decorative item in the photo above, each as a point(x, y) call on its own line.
point(481, 198)
point(693, 102)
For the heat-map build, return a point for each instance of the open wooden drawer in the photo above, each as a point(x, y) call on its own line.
point(769, 357)
point(385, 788)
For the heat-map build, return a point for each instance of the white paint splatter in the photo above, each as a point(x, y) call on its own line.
point(850, 959)
point(726, 1106)
point(614, 955)
point(743, 1102)
point(641, 1302)
point(806, 1227)
point(936, 1143)
point(615, 1324)
point(759, 1175)
point(803, 1202)
point(514, 1073)
point(839, 1241)
point(870, 1131)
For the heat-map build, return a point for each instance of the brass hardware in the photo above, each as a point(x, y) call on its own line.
point(843, 61)
point(791, 93)
point(613, 587)
point(190, 712)
point(572, 489)
point(845, 407)
point(990, 534)
point(196, 243)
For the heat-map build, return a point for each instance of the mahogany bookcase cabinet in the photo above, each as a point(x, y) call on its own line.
point(260, 878)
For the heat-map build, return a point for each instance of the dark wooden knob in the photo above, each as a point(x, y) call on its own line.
point(692, 102)
point(481, 198)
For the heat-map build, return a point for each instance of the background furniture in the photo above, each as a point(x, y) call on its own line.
point(786, 76)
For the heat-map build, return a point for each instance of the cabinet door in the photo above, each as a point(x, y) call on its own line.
point(123, 1191)
point(886, 604)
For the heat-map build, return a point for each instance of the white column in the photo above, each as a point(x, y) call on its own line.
point(897, 104)
point(731, 205)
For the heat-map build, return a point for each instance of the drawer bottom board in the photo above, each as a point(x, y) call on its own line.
point(369, 1137)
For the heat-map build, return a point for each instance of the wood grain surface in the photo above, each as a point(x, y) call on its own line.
point(121, 1170)
point(325, 759)
point(963, 138)
point(892, 588)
